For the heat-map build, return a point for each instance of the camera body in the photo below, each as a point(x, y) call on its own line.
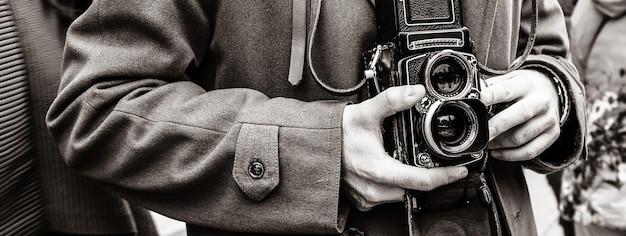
point(423, 42)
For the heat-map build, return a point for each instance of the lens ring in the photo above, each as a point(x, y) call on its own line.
point(459, 138)
point(453, 147)
point(451, 126)
point(448, 75)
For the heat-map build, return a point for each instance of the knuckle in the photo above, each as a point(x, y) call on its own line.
point(394, 96)
point(526, 111)
point(544, 105)
point(376, 173)
point(530, 154)
point(508, 90)
point(361, 202)
point(487, 96)
point(388, 96)
point(426, 184)
point(501, 125)
point(518, 138)
point(368, 196)
point(556, 132)
point(361, 206)
point(524, 136)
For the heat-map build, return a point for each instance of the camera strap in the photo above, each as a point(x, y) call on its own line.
point(329, 88)
point(298, 41)
point(530, 42)
point(296, 57)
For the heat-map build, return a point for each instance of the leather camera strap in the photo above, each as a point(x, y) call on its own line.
point(530, 42)
point(483, 68)
point(298, 41)
point(328, 88)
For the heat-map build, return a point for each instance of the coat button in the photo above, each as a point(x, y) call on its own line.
point(256, 169)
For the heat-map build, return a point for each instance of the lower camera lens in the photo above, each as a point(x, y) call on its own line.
point(454, 128)
point(452, 125)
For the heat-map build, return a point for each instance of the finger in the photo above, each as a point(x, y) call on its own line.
point(419, 178)
point(514, 115)
point(392, 100)
point(503, 89)
point(373, 195)
point(529, 150)
point(524, 133)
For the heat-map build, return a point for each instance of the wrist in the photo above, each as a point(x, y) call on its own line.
point(560, 88)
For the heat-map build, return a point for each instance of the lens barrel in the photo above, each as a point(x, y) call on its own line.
point(454, 128)
point(448, 75)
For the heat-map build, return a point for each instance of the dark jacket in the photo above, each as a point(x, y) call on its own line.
point(72, 204)
point(167, 103)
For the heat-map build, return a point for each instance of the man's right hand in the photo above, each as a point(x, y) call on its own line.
point(370, 176)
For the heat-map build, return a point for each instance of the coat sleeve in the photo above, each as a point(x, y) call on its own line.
point(549, 56)
point(130, 116)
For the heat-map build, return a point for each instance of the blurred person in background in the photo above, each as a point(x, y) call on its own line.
point(593, 192)
point(568, 7)
point(38, 193)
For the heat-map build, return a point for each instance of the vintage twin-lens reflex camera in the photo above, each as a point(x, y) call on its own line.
point(423, 42)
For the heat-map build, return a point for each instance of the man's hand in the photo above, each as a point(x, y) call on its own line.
point(371, 177)
point(530, 124)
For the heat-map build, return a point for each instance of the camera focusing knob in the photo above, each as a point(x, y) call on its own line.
point(423, 105)
point(424, 160)
point(474, 94)
point(477, 155)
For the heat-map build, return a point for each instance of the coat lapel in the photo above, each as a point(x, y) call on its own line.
point(479, 17)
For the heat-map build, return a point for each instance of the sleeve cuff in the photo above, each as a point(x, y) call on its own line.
point(570, 144)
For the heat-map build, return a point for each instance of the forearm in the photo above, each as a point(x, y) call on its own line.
point(131, 116)
point(184, 169)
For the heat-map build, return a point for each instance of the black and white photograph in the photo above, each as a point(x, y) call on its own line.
point(313, 117)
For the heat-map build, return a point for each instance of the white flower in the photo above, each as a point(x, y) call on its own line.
point(598, 109)
point(611, 99)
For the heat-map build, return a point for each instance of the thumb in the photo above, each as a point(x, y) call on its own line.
point(393, 100)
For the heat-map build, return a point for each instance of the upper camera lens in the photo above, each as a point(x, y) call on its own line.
point(448, 77)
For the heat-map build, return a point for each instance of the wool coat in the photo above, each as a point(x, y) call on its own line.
point(169, 102)
point(72, 204)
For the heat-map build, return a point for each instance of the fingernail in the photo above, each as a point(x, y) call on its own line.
point(495, 153)
point(463, 173)
point(413, 90)
point(485, 98)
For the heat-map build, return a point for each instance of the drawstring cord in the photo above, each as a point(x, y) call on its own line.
point(328, 88)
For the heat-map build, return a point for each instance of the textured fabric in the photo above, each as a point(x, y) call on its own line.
point(21, 203)
point(155, 93)
point(72, 203)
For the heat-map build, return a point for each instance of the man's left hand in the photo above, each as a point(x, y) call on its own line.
point(530, 124)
